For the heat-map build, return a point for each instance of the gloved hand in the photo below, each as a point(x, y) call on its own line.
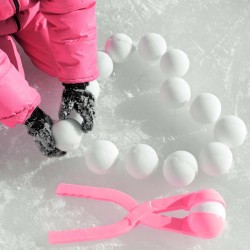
point(76, 96)
point(39, 126)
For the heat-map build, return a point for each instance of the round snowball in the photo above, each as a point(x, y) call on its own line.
point(230, 130)
point(205, 108)
point(141, 161)
point(174, 63)
point(105, 65)
point(67, 134)
point(152, 46)
point(180, 168)
point(101, 156)
point(215, 159)
point(175, 92)
point(207, 219)
point(94, 88)
point(76, 116)
point(119, 46)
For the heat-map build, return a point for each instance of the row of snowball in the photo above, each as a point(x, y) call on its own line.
point(205, 108)
point(179, 168)
point(215, 159)
point(174, 63)
point(152, 47)
point(229, 130)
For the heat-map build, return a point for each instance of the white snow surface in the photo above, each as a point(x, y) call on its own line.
point(215, 35)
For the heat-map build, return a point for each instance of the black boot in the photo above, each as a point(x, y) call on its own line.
point(39, 126)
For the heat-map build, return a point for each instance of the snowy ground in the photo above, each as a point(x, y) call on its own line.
point(215, 34)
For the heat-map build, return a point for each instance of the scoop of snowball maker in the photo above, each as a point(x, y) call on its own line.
point(39, 127)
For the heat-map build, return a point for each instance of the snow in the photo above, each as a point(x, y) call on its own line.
point(215, 35)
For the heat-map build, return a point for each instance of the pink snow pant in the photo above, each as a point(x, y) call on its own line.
point(17, 98)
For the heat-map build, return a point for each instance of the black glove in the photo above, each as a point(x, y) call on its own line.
point(39, 126)
point(76, 96)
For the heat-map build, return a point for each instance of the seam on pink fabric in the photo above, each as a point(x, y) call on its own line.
point(16, 114)
point(73, 41)
point(23, 114)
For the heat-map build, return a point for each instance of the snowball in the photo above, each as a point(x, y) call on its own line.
point(105, 65)
point(175, 92)
point(94, 88)
point(215, 159)
point(174, 63)
point(76, 116)
point(230, 130)
point(141, 161)
point(180, 168)
point(119, 46)
point(67, 134)
point(152, 46)
point(101, 156)
point(205, 108)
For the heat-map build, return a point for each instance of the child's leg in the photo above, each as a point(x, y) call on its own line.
point(17, 98)
point(34, 40)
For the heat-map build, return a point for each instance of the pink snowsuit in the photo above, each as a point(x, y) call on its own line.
point(60, 38)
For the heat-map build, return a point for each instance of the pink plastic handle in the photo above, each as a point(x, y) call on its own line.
point(102, 232)
point(144, 213)
point(97, 193)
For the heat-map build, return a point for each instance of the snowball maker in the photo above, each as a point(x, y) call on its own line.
point(67, 134)
point(101, 156)
point(206, 217)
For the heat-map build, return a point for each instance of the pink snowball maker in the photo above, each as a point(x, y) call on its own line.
point(206, 217)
